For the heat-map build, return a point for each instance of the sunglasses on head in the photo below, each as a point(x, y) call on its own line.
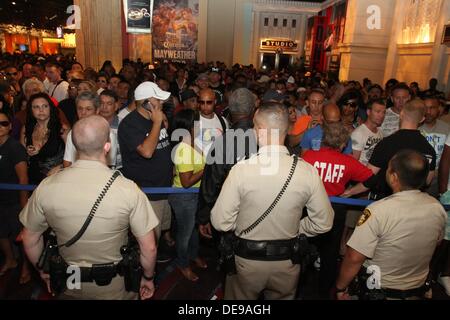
point(4, 123)
point(209, 102)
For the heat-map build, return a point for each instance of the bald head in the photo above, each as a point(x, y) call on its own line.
point(414, 111)
point(90, 135)
point(411, 168)
point(331, 113)
point(273, 118)
point(207, 93)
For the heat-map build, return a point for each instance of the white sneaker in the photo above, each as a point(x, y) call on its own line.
point(445, 282)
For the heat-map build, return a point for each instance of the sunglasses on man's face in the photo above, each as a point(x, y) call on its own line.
point(209, 102)
point(4, 123)
point(352, 104)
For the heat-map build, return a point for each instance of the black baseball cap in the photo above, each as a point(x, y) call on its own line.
point(188, 94)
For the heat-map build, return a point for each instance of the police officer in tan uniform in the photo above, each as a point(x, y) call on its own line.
point(249, 191)
point(397, 236)
point(64, 201)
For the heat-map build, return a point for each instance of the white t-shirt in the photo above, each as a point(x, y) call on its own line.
point(364, 140)
point(123, 114)
point(58, 91)
point(437, 137)
point(210, 129)
point(70, 154)
point(391, 123)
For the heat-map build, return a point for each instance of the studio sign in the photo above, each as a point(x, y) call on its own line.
point(279, 44)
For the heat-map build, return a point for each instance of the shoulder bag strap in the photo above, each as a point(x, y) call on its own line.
point(83, 229)
point(275, 202)
point(57, 85)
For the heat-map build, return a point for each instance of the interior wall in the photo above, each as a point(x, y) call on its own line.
point(97, 42)
point(220, 34)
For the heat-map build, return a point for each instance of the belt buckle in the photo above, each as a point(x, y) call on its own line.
point(102, 274)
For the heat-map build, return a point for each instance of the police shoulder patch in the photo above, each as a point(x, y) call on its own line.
point(365, 216)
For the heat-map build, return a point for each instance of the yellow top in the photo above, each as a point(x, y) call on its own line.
point(187, 159)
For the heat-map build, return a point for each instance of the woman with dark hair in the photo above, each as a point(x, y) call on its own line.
point(44, 138)
point(189, 165)
point(4, 106)
point(13, 170)
point(352, 109)
point(102, 82)
point(108, 68)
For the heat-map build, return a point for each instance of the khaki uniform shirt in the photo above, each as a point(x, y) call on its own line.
point(253, 185)
point(399, 235)
point(63, 202)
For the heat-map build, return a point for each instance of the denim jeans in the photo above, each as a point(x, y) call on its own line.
point(185, 208)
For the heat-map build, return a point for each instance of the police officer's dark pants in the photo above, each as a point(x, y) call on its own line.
point(328, 245)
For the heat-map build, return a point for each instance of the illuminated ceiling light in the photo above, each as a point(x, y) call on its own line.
point(13, 3)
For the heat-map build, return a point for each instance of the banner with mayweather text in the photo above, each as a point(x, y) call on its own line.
point(175, 30)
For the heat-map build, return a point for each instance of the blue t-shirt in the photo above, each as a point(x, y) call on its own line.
point(312, 140)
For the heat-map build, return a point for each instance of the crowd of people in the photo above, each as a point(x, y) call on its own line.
point(176, 125)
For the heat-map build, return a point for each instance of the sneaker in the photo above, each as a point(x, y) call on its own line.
point(445, 282)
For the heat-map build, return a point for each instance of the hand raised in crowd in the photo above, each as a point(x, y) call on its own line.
point(32, 151)
point(205, 230)
point(55, 170)
point(156, 114)
point(147, 289)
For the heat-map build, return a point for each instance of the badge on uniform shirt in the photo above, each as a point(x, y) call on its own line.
point(365, 216)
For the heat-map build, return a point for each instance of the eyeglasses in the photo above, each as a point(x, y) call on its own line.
point(209, 102)
point(4, 123)
point(352, 104)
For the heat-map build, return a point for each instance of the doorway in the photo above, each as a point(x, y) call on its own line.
point(268, 61)
point(284, 61)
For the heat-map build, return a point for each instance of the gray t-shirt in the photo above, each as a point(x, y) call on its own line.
point(391, 123)
point(436, 136)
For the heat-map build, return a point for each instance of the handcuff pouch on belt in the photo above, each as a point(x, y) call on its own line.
point(130, 266)
point(231, 245)
point(359, 287)
point(52, 263)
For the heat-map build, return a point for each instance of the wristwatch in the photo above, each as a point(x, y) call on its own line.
point(148, 278)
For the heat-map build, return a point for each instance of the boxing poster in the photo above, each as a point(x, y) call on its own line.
point(175, 30)
point(138, 15)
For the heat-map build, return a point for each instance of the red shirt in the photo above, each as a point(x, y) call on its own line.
point(336, 169)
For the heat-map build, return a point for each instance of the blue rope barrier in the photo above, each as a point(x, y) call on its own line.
point(335, 200)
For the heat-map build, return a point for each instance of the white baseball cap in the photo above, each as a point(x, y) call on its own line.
point(147, 90)
point(291, 80)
